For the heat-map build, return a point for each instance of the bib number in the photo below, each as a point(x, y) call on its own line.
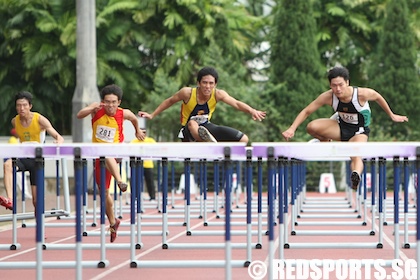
point(105, 133)
point(349, 118)
point(200, 119)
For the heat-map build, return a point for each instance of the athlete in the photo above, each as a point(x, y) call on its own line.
point(198, 105)
point(354, 115)
point(107, 127)
point(29, 127)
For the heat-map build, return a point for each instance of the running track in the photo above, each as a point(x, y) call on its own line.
point(119, 259)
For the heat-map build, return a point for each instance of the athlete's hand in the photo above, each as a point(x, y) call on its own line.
point(258, 115)
point(96, 106)
point(59, 139)
point(145, 115)
point(141, 134)
point(288, 134)
point(398, 118)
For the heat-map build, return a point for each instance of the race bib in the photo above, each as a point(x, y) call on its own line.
point(200, 119)
point(105, 133)
point(349, 118)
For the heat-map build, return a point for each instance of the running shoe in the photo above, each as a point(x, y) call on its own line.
point(6, 202)
point(355, 180)
point(206, 135)
point(113, 229)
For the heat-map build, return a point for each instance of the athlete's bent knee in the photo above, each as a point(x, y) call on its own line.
point(244, 138)
point(311, 128)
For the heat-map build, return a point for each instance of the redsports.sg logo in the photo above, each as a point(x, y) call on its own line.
point(315, 269)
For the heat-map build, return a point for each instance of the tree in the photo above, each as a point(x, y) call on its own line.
point(393, 73)
point(120, 61)
point(136, 40)
point(296, 70)
point(194, 34)
point(346, 32)
point(37, 44)
point(142, 43)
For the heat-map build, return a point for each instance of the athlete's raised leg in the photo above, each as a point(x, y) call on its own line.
point(356, 164)
point(193, 129)
point(324, 129)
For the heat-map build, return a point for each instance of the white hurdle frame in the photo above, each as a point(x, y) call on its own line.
point(227, 154)
point(232, 151)
point(304, 151)
point(339, 151)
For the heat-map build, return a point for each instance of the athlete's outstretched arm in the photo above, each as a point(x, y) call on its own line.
point(323, 99)
point(223, 96)
point(89, 110)
point(182, 94)
point(372, 95)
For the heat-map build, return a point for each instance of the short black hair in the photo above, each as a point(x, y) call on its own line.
point(111, 89)
point(24, 95)
point(338, 72)
point(207, 71)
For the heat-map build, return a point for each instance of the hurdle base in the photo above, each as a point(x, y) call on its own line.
point(11, 247)
point(206, 246)
point(187, 263)
point(53, 264)
point(332, 245)
point(333, 232)
point(30, 215)
point(87, 246)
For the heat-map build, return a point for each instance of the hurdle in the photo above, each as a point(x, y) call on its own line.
point(102, 245)
point(213, 232)
point(345, 204)
point(15, 216)
point(212, 151)
point(247, 223)
point(324, 208)
point(38, 152)
point(338, 233)
point(57, 211)
point(127, 153)
point(203, 206)
point(89, 151)
point(406, 232)
point(208, 151)
point(340, 150)
point(397, 205)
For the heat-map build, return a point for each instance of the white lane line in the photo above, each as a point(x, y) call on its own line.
point(389, 241)
point(158, 246)
point(18, 253)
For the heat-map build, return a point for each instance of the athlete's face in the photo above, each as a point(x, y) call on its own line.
point(23, 107)
point(207, 84)
point(111, 104)
point(339, 86)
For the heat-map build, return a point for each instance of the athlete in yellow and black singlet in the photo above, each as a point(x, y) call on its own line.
point(202, 113)
point(198, 106)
